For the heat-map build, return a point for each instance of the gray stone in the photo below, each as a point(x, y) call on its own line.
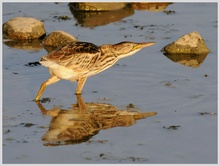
point(23, 28)
point(191, 43)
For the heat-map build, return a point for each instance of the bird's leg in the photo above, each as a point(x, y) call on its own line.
point(50, 81)
point(41, 90)
point(81, 81)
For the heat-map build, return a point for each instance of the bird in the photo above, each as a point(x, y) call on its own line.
point(76, 61)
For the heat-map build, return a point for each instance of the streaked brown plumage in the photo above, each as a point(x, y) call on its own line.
point(76, 61)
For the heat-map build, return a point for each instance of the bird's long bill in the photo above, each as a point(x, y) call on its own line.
point(144, 44)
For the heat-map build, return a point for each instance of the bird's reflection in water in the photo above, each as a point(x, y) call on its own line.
point(83, 120)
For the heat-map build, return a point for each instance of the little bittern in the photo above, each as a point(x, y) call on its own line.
point(78, 60)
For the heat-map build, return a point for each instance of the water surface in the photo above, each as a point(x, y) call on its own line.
point(184, 98)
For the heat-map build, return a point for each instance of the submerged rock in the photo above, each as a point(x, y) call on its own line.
point(23, 28)
point(99, 6)
point(93, 19)
point(57, 38)
point(191, 43)
point(152, 6)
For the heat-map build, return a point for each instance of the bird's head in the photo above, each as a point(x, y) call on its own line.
point(127, 48)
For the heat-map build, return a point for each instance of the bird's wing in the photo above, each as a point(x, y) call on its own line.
point(75, 55)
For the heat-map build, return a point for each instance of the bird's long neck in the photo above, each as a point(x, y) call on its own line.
point(108, 51)
point(105, 60)
point(116, 51)
point(107, 55)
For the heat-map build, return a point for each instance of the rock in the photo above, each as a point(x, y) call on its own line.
point(151, 6)
point(191, 43)
point(57, 38)
point(23, 28)
point(93, 19)
point(99, 6)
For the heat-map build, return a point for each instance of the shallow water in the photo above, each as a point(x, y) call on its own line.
point(184, 98)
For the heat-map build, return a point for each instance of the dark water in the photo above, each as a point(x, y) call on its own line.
point(184, 98)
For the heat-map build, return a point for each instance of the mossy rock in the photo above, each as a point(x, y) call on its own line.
point(191, 43)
